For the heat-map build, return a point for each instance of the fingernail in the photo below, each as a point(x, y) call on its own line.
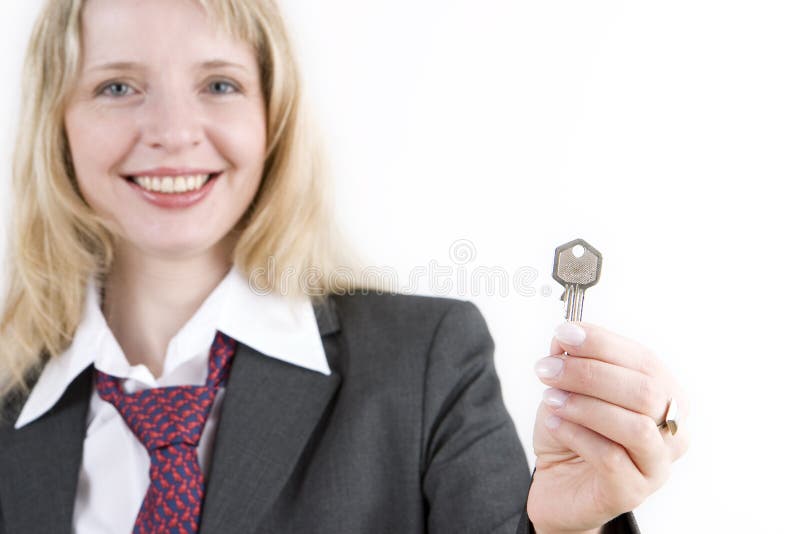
point(555, 397)
point(552, 421)
point(549, 367)
point(570, 334)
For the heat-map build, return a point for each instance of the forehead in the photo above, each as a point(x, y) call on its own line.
point(139, 30)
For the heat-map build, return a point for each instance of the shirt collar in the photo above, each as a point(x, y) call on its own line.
point(272, 324)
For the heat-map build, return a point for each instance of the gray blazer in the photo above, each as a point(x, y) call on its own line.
point(409, 434)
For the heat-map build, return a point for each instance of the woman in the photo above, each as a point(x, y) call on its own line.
point(166, 182)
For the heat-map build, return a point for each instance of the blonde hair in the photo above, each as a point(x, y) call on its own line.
point(57, 242)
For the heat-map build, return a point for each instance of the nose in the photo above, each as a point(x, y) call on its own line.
point(171, 121)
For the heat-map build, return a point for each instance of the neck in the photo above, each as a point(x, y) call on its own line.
point(148, 299)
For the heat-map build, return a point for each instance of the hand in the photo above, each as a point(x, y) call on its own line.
point(606, 455)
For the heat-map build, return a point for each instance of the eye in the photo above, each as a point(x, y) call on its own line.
point(225, 83)
point(112, 85)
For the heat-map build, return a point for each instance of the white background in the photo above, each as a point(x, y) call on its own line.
point(663, 133)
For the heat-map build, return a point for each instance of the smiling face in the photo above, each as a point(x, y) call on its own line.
point(166, 111)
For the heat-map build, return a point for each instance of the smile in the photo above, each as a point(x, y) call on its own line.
point(172, 184)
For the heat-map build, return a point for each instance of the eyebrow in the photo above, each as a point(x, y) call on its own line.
point(132, 65)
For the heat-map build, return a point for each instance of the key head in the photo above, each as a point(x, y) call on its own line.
point(583, 270)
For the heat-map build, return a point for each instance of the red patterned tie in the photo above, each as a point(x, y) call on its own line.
point(169, 421)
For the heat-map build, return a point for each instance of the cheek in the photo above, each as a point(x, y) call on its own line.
point(242, 133)
point(96, 146)
point(243, 145)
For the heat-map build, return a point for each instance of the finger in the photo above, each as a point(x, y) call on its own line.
point(609, 459)
point(602, 344)
point(637, 433)
point(624, 387)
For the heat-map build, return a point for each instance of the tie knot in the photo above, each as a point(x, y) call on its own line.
point(173, 415)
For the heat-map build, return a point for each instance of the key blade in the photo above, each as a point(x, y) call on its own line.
point(573, 303)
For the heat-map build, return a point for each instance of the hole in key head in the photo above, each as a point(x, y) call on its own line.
point(578, 251)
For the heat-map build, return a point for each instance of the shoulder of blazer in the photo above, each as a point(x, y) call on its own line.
point(381, 305)
point(380, 318)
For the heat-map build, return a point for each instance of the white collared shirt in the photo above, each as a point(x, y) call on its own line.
point(114, 473)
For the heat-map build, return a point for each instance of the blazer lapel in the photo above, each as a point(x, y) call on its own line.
point(43, 459)
point(269, 412)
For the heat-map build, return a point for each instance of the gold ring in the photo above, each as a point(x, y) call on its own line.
point(671, 420)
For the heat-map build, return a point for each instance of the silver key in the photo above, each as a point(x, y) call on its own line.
point(576, 271)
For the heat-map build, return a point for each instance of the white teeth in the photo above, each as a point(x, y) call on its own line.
point(172, 184)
